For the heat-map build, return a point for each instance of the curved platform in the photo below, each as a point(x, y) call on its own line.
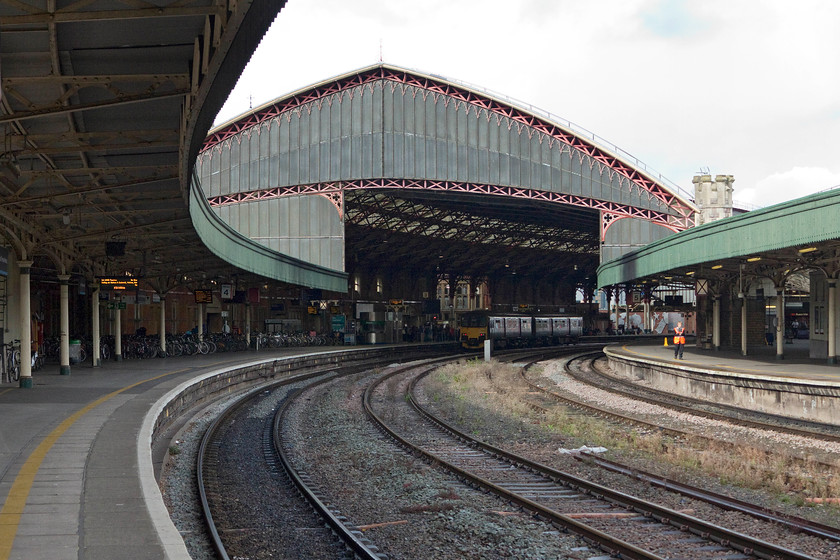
point(797, 387)
point(75, 476)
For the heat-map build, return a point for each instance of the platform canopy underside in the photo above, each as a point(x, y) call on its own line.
point(104, 107)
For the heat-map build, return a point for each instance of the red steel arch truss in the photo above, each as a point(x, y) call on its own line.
point(683, 219)
point(335, 192)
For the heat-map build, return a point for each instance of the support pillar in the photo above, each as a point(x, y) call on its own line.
point(25, 326)
point(118, 333)
point(832, 321)
point(64, 325)
point(163, 324)
point(780, 323)
point(199, 312)
point(608, 292)
point(743, 325)
point(94, 351)
point(716, 322)
point(248, 324)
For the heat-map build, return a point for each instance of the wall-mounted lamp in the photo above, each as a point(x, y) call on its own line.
point(753, 259)
point(808, 250)
point(717, 267)
point(65, 216)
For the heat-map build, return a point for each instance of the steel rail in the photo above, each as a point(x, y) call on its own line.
point(604, 541)
point(350, 365)
point(206, 442)
point(726, 537)
point(794, 523)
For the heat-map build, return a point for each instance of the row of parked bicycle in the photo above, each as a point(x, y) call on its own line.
point(140, 346)
point(148, 346)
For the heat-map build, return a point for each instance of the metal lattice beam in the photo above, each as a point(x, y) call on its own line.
point(674, 223)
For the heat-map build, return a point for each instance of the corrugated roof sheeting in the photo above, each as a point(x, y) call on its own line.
point(804, 221)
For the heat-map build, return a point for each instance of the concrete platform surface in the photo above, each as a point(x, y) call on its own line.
point(761, 361)
point(71, 483)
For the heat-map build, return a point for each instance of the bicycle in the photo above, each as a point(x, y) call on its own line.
point(11, 361)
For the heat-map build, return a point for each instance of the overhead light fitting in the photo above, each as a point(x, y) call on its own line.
point(808, 250)
point(753, 259)
point(717, 267)
point(690, 273)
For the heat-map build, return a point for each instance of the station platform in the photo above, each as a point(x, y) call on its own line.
point(761, 360)
point(71, 484)
point(795, 386)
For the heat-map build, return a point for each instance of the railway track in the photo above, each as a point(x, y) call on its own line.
point(242, 521)
point(593, 373)
point(617, 523)
point(579, 368)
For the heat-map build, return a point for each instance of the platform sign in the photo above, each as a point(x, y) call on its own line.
point(338, 323)
point(203, 296)
point(226, 291)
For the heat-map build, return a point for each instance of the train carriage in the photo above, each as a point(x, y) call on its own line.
point(515, 330)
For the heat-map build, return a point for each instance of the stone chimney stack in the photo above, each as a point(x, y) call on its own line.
point(714, 198)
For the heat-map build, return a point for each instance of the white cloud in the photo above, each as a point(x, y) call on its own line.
point(793, 183)
point(734, 86)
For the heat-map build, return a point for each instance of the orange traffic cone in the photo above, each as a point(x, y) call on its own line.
point(666, 341)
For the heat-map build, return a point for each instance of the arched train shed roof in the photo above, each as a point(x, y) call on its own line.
point(675, 210)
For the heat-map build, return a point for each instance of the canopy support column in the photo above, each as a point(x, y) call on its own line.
point(118, 333)
point(780, 323)
point(25, 326)
point(64, 325)
point(248, 324)
point(716, 322)
point(94, 306)
point(163, 324)
point(743, 325)
point(832, 321)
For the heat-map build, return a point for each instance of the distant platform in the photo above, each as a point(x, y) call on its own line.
point(796, 386)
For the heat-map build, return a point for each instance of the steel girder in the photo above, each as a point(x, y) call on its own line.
point(613, 209)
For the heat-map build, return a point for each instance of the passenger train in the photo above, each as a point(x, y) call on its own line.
point(516, 330)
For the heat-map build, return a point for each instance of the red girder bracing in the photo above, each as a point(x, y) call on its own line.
point(335, 192)
point(473, 98)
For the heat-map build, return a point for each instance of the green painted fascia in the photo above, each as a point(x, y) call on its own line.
point(803, 221)
point(238, 250)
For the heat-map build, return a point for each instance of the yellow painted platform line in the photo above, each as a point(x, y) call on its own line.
point(4, 391)
point(16, 500)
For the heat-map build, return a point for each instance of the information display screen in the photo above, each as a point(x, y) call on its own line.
point(203, 296)
point(117, 282)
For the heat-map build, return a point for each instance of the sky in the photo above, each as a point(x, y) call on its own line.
point(748, 88)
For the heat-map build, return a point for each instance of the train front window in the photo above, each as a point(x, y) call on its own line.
point(474, 320)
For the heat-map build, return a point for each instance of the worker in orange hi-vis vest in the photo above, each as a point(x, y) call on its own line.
point(679, 341)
